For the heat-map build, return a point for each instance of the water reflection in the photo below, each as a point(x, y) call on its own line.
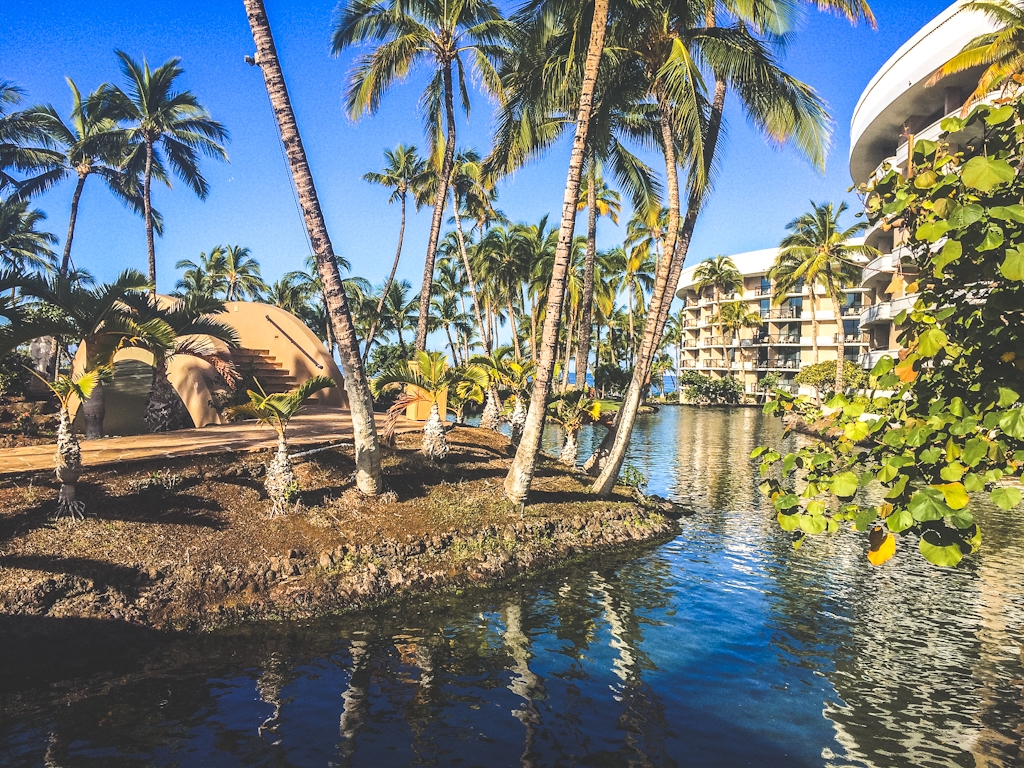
point(724, 647)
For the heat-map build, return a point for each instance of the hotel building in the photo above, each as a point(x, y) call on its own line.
point(896, 107)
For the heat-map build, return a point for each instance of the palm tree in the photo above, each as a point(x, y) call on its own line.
point(443, 36)
point(818, 251)
point(720, 276)
point(659, 369)
point(93, 143)
point(448, 315)
point(25, 145)
point(364, 429)
point(24, 248)
point(428, 381)
point(538, 244)
point(276, 411)
point(288, 294)
point(495, 367)
point(502, 267)
point(241, 273)
point(675, 333)
point(399, 311)
point(209, 269)
point(69, 452)
point(572, 410)
point(404, 172)
point(1001, 51)
point(166, 127)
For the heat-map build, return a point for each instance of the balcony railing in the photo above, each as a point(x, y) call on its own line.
point(778, 362)
point(780, 313)
point(852, 310)
point(849, 338)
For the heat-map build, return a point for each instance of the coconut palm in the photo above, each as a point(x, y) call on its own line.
point(25, 145)
point(660, 368)
point(166, 129)
point(501, 265)
point(275, 411)
point(364, 428)
point(494, 366)
point(572, 410)
point(288, 294)
point(206, 275)
point(719, 276)
point(404, 172)
point(675, 333)
point(538, 243)
point(241, 273)
point(447, 314)
point(1000, 51)
point(427, 381)
point(447, 38)
point(92, 143)
point(24, 248)
point(817, 251)
point(399, 311)
point(69, 452)
point(314, 311)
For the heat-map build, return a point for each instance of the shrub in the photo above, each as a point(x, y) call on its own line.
point(612, 379)
point(708, 391)
point(14, 374)
point(823, 376)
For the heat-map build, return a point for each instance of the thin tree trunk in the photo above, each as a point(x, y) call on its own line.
point(66, 259)
point(814, 325)
point(520, 475)
point(439, 206)
point(840, 342)
point(586, 321)
point(147, 209)
point(571, 317)
point(451, 344)
point(387, 286)
point(484, 330)
point(367, 447)
point(513, 330)
point(533, 329)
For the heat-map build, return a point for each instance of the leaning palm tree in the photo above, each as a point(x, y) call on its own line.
point(427, 381)
point(25, 145)
point(24, 248)
point(364, 428)
point(1000, 51)
point(818, 251)
point(448, 38)
point(404, 172)
point(275, 411)
point(69, 453)
point(166, 128)
point(572, 410)
point(92, 143)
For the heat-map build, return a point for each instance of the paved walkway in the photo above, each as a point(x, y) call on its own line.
point(315, 425)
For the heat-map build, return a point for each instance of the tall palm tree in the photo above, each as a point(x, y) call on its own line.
point(538, 243)
point(399, 311)
point(501, 265)
point(720, 276)
point(167, 128)
point(25, 145)
point(92, 143)
point(367, 447)
point(289, 294)
point(675, 333)
point(241, 272)
point(205, 275)
point(1001, 51)
point(23, 248)
point(783, 108)
point(449, 38)
point(817, 251)
point(404, 172)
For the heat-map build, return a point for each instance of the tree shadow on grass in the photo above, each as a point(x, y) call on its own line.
point(104, 574)
point(150, 507)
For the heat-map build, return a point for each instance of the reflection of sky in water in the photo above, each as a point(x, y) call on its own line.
point(723, 647)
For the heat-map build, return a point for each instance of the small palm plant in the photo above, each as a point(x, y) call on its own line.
point(494, 366)
point(276, 410)
point(572, 410)
point(69, 453)
point(427, 380)
point(519, 380)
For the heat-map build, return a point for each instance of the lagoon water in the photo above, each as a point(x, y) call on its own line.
point(724, 647)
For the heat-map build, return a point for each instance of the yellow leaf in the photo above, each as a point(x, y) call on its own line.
point(905, 371)
point(912, 287)
point(883, 546)
point(955, 494)
point(884, 510)
point(895, 285)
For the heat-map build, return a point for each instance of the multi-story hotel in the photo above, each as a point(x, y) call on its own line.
point(896, 108)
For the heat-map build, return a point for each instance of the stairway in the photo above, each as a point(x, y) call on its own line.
point(260, 364)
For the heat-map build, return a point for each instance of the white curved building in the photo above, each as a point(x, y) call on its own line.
point(897, 105)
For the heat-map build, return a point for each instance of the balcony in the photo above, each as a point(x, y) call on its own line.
point(885, 311)
point(780, 313)
point(852, 310)
point(849, 338)
point(778, 363)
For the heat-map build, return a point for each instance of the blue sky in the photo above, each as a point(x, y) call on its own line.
point(251, 202)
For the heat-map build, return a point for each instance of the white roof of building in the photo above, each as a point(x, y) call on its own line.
point(749, 263)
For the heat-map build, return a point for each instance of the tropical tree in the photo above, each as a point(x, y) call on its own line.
point(719, 276)
point(572, 410)
point(448, 315)
point(1000, 51)
point(25, 145)
point(404, 172)
point(674, 335)
point(289, 294)
point(494, 366)
point(92, 143)
point(660, 369)
point(241, 273)
point(428, 381)
point(203, 278)
point(167, 129)
point(24, 248)
point(448, 38)
point(275, 411)
point(501, 264)
point(399, 312)
point(69, 452)
point(364, 428)
point(817, 251)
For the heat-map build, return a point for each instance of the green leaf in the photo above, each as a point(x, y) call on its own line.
point(930, 342)
point(946, 556)
point(821, 459)
point(856, 430)
point(974, 451)
point(951, 251)
point(926, 179)
point(844, 485)
point(897, 490)
point(932, 231)
point(951, 124)
point(1012, 423)
point(900, 521)
point(1008, 213)
point(999, 115)
point(964, 215)
point(887, 473)
point(813, 524)
point(816, 507)
point(955, 495)
point(974, 483)
point(993, 238)
point(930, 455)
point(1012, 267)
point(788, 463)
point(758, 451)
point(1007, 397)
point(985, 173)
point(864, 518)
point(963, 519)
point(952, 472)
point(786, 501)
point(788, 522)
point(1005, 497)
point(928, 504)
point(883, 366)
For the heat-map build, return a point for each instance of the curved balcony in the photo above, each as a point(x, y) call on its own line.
point(885, 311)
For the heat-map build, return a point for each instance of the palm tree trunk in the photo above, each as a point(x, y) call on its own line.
point(439, 206)
point(387, 286)
point(451, 344)
point(513, 330)
point(520, 475)
point(533, 329)
point(814, 325)
point(837, 310)
point(69, 468)
point(586, 321)
point(612, 451)
point(367, 447)
point(147, 209)
point(66, 259)
point(571, 317)
point(484, 331)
